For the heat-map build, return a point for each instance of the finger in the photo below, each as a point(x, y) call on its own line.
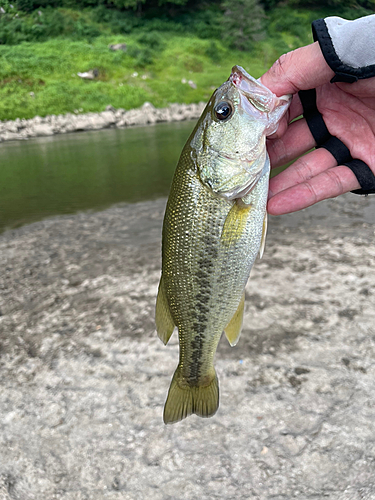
point(302, 170)
point(296, 141)
point(295, 108)
point(302, 69)
point(362, 88)
point(328, 184)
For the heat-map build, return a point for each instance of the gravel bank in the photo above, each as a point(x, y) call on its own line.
point(18, 129)
point(84, 377)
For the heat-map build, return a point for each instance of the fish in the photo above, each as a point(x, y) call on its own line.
point(215, 224)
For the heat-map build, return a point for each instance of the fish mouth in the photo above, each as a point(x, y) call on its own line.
point(258, 94)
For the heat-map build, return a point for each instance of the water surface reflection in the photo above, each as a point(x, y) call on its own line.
point(66, 173)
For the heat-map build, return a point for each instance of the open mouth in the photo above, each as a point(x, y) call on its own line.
point(257, 94)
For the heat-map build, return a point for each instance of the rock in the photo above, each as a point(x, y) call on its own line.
point(192, 84)
point(84, 122)
point(148, 106)
point(11, 136)
point(11, 127)
point(118, 46)
point(23, 123)
point(43, 129)
point(165, 115)
point(121, 123)
point(24, 134)
point(108, 117)
point(72, 122)
point(177, 117)
point(93, 121)
point(89, 75)
point(177, 112)
point(134, 117)
point(119, 113)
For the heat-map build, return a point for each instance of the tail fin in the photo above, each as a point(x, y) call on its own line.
point(183, 401)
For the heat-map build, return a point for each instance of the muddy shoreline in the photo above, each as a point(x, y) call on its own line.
point(84, 377)
point(22, 129)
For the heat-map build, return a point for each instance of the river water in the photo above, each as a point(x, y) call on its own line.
point(92, 170)
point(88, 170)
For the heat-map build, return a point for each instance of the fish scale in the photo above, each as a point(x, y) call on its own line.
point(210, 241)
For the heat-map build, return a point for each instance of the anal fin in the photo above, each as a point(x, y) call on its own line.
point(233, 329)
point(163, 318)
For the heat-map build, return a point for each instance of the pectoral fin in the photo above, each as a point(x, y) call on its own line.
point(163, 318)
point(235, 223)
point(264, 234)
point(233, 329)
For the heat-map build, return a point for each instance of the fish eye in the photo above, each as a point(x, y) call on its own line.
point(223, 110)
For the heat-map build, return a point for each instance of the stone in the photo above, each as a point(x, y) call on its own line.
point(118, 46)
point(84, 123)
point(119, 113)
point(43, 129)
point(148, 106)
point(11, 136)
point(108, 117)
point(91, 74)
point(11, 127)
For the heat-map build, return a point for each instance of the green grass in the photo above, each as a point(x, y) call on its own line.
point(40, 78)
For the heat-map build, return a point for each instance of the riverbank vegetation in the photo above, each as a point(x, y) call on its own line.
point(176, 51)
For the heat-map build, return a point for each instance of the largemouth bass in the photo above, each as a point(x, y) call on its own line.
point(214, 226)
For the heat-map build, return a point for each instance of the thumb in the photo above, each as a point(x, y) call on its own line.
point(302, 69)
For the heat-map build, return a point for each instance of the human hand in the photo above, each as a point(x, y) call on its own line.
point(348, 110)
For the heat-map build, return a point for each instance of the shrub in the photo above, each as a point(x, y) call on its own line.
point(242, 23)
point(284, 22)
point(81, 29)
point(142, 55)
point(151, 39)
